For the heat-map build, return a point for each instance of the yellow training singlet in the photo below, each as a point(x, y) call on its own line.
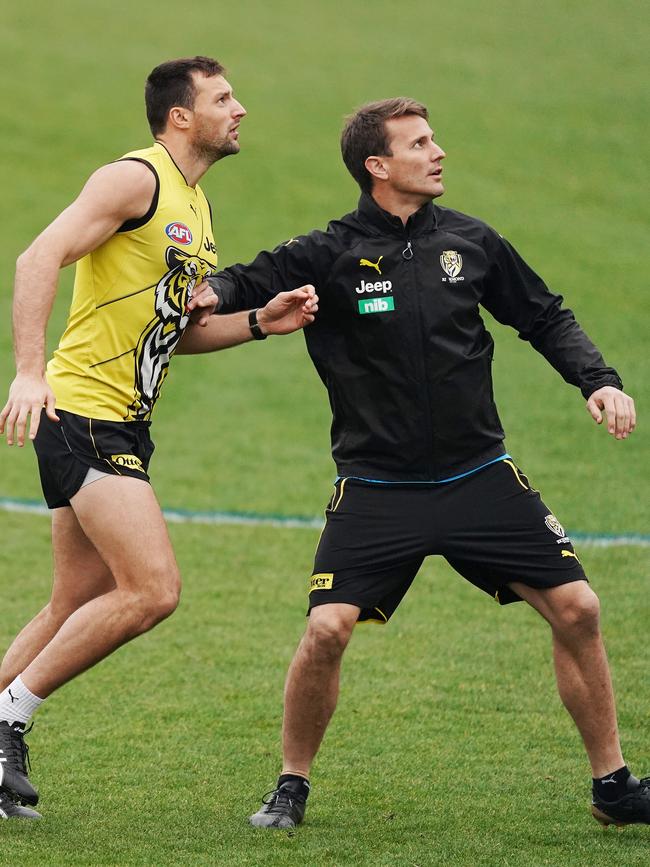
point(128, 307)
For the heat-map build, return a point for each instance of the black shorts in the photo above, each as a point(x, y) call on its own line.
point(490, 526)
point(67, 449)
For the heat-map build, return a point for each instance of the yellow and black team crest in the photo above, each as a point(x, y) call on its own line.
point(452, 262)
point(159, 339)
point(553, 524)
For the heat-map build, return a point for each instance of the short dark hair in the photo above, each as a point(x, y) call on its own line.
point(172, 84)
point(364, 134)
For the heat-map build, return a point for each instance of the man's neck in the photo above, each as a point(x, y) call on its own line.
point(189, 164)
point(398, 204)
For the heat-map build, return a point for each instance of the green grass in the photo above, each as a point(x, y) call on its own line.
point(450, 746)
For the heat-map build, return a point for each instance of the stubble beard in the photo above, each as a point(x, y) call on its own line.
point(210, 150)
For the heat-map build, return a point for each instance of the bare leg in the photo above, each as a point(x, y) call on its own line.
point(312, 685)
point(122, 520)
point(79, 576)
point(581, 668)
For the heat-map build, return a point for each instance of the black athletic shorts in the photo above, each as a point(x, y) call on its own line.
point(67, 449)
point(490, 526)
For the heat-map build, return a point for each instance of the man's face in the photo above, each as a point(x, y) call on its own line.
point(415, 166)
point(216, 116)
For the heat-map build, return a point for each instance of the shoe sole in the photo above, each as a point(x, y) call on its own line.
point(606, 820)
point(271, 825)
point(23, 816)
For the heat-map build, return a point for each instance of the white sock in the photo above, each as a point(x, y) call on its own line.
point(17, 703)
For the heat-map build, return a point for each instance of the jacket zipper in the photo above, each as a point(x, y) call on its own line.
point(408, 253)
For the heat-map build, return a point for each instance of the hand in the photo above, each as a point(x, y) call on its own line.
point(202, 304)
point(28, 394)
point(289, 311)
point(619, 409)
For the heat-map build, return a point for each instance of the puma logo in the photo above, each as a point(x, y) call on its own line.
point(370, 264)
point(611, 780)
point(566, 553)
point(12, 697)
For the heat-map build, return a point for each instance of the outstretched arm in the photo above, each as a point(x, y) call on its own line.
point(283, 314)
point(114, 194)
point(516, 296)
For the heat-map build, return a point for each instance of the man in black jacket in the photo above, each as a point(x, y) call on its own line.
point(406, 359)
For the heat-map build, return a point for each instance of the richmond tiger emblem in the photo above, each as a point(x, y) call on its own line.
point(452, 262)
point(160, 338)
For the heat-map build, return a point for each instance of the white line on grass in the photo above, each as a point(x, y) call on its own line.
point(251, 519)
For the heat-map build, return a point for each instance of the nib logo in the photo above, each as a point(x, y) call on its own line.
point(377, 305)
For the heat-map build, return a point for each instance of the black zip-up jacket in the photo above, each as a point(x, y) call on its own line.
point(399, 341)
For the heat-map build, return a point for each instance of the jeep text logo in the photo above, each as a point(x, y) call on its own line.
point(379, 286)
point(376, 305)
point(179, 232)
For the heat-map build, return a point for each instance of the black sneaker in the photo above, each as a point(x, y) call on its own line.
point(10, 810)
point(284, 807)
point(13, 764)
point(632, 808)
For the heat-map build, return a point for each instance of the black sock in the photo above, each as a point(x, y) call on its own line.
point(612, 786)
point(299, 784)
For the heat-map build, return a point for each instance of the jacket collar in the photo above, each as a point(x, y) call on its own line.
point(420, 223)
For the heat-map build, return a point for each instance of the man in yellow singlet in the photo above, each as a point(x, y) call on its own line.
point(140, 232)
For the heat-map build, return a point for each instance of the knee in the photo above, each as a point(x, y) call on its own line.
point(328, 635)
point(160, 599)
point(580, 612)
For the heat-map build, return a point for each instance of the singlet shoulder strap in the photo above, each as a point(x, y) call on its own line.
point(138, 222)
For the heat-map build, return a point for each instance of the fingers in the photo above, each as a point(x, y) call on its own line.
point(203, 296)
point(50, 410)
point(594, 409)
point(619, 410)
point(11, 415)
point(618, 415)
point(3, 416)
point(21, 424)
point(28, 395)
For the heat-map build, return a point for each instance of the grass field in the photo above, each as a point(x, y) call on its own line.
point(450, 746)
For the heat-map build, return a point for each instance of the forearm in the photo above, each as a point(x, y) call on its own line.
point(569, 350)
point(221, 332)
point(34, 291)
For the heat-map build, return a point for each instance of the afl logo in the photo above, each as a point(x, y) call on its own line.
point(179, 232)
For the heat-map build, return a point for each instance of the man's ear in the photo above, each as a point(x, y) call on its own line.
point(377, 168)
point(179, 117)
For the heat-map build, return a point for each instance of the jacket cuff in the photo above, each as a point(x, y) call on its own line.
point(225, 292)
point(591, 385)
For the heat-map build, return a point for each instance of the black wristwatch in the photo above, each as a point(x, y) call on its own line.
point(253, 324)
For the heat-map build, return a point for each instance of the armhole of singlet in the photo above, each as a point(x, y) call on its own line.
point(138, 222)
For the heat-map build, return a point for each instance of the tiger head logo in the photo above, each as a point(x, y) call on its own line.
point(553, 524)
point(175, 288)
point(452, 262)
